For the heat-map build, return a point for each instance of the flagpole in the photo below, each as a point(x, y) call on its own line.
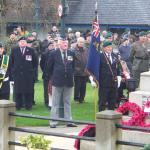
point(95, 101)
point(95, 89)
point(96, 11)
point(93, 62)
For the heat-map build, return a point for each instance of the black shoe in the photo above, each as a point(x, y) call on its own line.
point(18, 108)
point(52, 126)
point(49, 107)
point(36, 81)
point(33, 103)
point(71, 125)
point(29, 108)
point(82, 101)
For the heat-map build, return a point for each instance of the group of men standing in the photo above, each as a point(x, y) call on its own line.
point(64, 68)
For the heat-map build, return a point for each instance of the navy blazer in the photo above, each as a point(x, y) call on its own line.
point(60, 73)
point(106, 79)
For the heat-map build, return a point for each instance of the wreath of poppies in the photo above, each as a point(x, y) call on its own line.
point(138, 115)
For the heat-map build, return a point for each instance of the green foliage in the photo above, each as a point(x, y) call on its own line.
point(83, 112)
point(35, 142)
point(146, 147)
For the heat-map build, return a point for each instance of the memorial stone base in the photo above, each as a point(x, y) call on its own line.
point(143, 94)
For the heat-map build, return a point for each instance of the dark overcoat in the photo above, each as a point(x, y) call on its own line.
point(23, 69)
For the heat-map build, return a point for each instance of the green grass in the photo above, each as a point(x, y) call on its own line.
point(84, 111)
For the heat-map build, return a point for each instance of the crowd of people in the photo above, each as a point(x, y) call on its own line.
point(63, 63)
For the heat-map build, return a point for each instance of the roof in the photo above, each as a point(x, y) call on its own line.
point(114, 12)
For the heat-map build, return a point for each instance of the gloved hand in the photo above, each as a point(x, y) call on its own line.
point(119, 80)
point(11, 83)
point(93, 83)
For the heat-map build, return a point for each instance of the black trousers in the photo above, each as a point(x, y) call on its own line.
point(107, 98)
point(24, 98)
point(36, 68)
point(5, 91)
point(46, 98)
point(120, 92)
point(4, 96)
point(80, 88)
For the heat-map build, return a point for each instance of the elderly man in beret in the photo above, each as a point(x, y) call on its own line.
point(108, 77)
point(140, 57)
point(110, 37)
point(23, 61)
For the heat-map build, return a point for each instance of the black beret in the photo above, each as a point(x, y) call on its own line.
point(22, 38)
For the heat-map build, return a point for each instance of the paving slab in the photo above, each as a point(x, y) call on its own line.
point(58, 143)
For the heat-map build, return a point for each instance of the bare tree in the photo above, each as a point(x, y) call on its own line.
point(24, 11)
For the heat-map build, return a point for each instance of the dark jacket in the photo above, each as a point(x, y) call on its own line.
point(106, 79)
point(125, 52)
point(43, 61)
point(81, 56)
point(44, 45)
point(23, 67)
point(140, 57)
point(56, 70)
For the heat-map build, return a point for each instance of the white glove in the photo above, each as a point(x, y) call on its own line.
point(93, 83)
point(11, 83)
point(119, 80)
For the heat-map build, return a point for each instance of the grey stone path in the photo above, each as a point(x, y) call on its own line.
point(57, 142)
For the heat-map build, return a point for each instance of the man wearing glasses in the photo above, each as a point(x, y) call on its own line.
point(60, 70)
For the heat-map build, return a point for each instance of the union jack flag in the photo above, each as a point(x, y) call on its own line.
point(96, 29)
point(93, 63)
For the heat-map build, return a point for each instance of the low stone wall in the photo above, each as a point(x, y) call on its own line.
point(135, 136)
point(87, 145)
point(128, 136)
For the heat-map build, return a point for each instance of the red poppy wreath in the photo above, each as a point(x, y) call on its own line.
point(138, 115)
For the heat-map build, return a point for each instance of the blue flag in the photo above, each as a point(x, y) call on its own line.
point(93, 63)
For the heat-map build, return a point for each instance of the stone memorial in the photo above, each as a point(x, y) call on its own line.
point(142, 95)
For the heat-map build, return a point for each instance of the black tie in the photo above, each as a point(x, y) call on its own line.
point(65, 57)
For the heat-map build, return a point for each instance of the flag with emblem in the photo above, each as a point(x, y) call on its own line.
point(93, 63)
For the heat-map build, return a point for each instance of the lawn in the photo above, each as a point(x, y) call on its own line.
point(84, 111)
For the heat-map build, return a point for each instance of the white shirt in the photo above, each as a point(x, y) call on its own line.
point(109, 57)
